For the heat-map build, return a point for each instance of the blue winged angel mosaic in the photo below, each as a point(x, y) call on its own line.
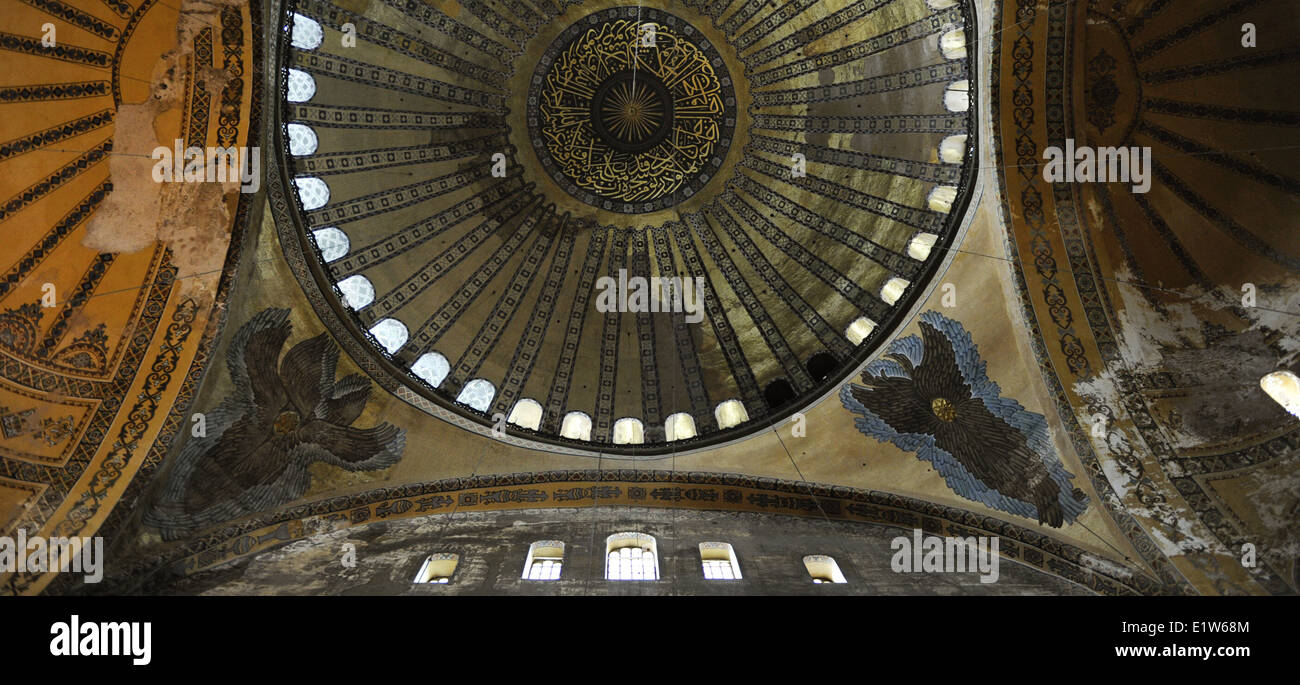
point(930, 395)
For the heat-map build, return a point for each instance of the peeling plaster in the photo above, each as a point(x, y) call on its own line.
point(193, 219)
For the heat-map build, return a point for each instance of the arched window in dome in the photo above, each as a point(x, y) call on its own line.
point(941, 199)
point(357, 291)
point(629, 431)
point(730, 413)
point(306, 33)
point(920, 245)
point(302, 139)
point(390, 333)
point(778, 393)
point(1284, 388)
point(544, 560)
point(859, 330)
point(332, 243)
point(679, 426)
point(893, 289)
point(719, 561)
point(477, 394)
point(301, 86)
point(631, 556)
point(526, 414)
point(432, 368)
point(822, 365)
point(952, 150)
point(823, 569)
point(957, 96)
point(312, 192)
point(953, 44)
point(576, 426)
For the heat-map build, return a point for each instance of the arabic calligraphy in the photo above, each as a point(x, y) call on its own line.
point(628, 122)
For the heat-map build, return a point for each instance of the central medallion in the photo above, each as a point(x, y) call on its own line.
point(631, 110)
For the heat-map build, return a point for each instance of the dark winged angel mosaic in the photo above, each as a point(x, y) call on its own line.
point(277, 421)
point(930, 395)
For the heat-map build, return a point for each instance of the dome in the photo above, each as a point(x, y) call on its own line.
point(631, 212)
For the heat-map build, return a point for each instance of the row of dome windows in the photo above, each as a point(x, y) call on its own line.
point(628, 556)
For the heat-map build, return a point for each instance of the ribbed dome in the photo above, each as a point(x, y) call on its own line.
point(486, 196)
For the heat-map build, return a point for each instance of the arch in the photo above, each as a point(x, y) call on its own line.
point(306, 33)
point(544, 561)
point(576, 426)
point(437, 568)
point(952, 150)
point(778, 393)
point(312, 192)
point(332, 242)
point(893, 289)
point(477, 394)
point(859, 330)
point(390, 333)
point(941, 199)
point(920, 245)
point(730, 413)
point(719, 561)
point(432, 368)
point(1284, 388)
point(302, 139)
point(957, 96)
point(526, 414)
point(628, 431)
point(953, 44)
point(631, 556)
point(357, 291)
point(823, 569)
point(822, 365)
point(679, 426)
point(301, 86)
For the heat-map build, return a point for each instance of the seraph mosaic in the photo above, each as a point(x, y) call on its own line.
point(931, 395)
point(260, 440)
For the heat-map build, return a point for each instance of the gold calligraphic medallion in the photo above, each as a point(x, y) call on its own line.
point(631, 110)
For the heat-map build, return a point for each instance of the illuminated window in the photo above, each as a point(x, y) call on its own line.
point(1284, 388)
point(307, 34)
point(629, 431)
point(331, 242)
point(953, 44)
point(301, 86)
point(953, 149)
point(859, 330)
point(312, 192)
point(893, 290)
point(576, 426)
point(941, 199)
point(357, 291)
point(437, 568)
point(302, 140)
point(432, 368)
point(730, 413)
point(719, 561)
point(920, 246)
point(526, 414)
point(679, 426)
point(390, 333)
point(957, 97)
point(823, 569)
point(544, 560)
point(477, 394)
point(631, 556)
